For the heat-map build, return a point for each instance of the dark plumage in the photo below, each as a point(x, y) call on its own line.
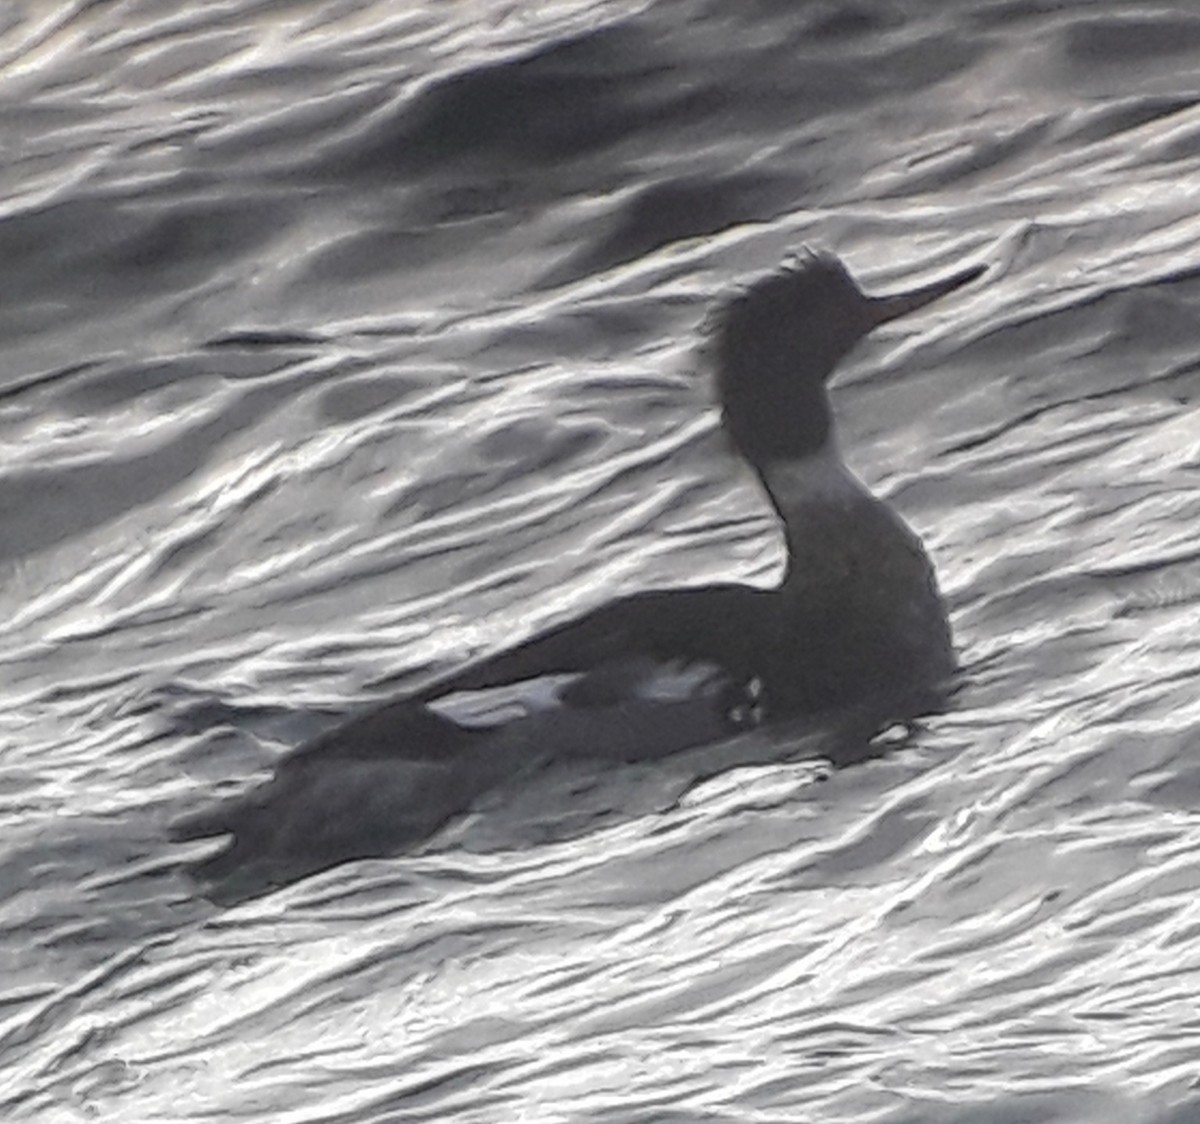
point(856, 622)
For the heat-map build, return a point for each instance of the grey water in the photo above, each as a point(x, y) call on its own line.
point(345, 339)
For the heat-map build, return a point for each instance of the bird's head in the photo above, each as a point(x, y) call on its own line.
point(778, 342)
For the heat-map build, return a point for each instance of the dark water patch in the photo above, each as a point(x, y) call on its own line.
point(671, 210)
point(1122, 40)
point(592, 104)
point(1009, 13)
point(267, 338)
point(553, 104)
point(814, 20)
point(87, 252)
point(184, 241)
point(920, 64)
point(440, 201)
point(838, 19)
point(45, 380)
point(56, 234)
point(801, 82)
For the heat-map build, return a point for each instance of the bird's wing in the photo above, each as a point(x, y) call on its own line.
point(596, 659)
point(723, 625)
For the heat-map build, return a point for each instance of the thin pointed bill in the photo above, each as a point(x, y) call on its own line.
point(901, 304)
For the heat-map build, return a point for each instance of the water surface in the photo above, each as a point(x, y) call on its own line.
point(343, 340)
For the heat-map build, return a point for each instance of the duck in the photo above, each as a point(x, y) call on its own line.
point(856, 623)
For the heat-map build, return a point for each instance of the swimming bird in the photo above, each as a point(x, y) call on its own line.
point(856, 622)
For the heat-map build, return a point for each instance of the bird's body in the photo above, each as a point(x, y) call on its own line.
point(857, 621)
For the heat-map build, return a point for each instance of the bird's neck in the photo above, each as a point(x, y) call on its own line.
point(811, 493)
point(780, 417)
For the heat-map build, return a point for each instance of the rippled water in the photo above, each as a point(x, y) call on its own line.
point(345, 339)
